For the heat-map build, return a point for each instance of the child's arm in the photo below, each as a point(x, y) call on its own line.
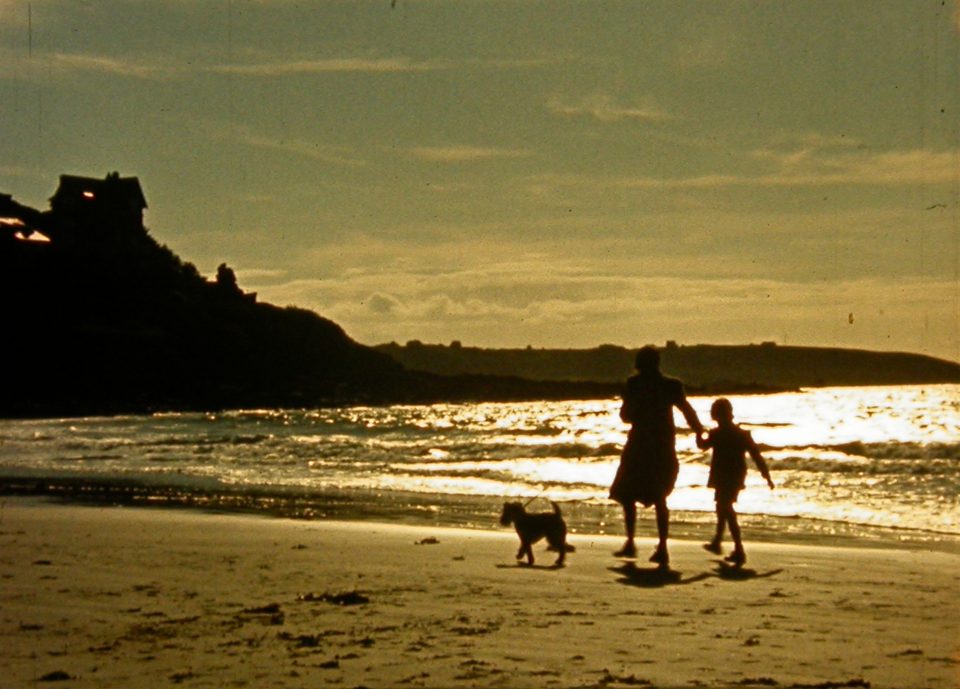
point(704, 441)
point(758, 460)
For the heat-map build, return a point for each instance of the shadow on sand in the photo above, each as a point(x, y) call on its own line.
point(729, 572)
point(659, 577)
point(653, 577)
point(524, 565)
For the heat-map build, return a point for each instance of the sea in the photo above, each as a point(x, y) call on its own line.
point(854, 464)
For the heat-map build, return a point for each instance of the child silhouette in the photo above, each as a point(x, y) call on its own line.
point(728, 469)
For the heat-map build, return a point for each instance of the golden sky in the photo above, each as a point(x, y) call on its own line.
point(505, 173)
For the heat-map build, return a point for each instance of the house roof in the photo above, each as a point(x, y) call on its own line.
point(112, 187)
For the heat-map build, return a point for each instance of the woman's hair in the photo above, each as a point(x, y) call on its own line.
point(648, 359)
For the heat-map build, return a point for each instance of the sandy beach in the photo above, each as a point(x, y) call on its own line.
point(141, 597)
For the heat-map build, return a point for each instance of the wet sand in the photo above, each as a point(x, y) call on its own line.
point(140, 597)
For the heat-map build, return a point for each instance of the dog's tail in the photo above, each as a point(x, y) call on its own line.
point(556, 510)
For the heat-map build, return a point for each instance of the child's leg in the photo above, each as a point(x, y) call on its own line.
point(734, 530)
point(721, 523)
point(714, 545)
point(737, 557)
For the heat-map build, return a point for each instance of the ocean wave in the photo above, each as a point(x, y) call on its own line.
point(88, 458)
point(574, 451)
point(863, 467)
point(204, 441)
point(503, 477)
point(900, 450)
point(880, 451)
point(474, 450)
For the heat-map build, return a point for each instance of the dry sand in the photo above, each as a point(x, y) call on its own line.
point(138, 597)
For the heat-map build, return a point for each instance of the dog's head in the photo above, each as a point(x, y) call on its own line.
point(511, 510)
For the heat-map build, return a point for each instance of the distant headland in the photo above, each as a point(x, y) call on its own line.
point(99, 318)
point(703, 368)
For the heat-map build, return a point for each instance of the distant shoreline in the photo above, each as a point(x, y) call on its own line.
point(495, 390)
point(704, 368)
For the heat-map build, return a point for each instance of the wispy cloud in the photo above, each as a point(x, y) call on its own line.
point(248, 136)
point(336, 64)
point(517, 63)
point(464, 154)
point(810, 167)
point(816, 140)
point(307, 149)
point(794, 168)
point(156, 67)
point(253, 274)
point(604, 108)
point(123, 67)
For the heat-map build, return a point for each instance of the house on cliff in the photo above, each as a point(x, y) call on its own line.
point(112, 206)
point(115, 199)
point(82, 209)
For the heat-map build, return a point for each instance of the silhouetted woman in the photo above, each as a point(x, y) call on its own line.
point(648, 464)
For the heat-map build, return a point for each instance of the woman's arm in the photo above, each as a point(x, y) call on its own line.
point(690, 415)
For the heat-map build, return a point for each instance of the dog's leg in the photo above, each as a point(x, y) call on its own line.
point(562, 547)
point(522, 551)
point(529, 548)
point(558, 541)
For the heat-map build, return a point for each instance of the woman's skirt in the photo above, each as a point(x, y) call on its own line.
point(647, 472)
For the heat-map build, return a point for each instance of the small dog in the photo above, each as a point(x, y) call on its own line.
point(531, 527)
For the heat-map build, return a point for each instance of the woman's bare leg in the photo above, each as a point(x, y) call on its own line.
point(660, 555)
point(630, 524)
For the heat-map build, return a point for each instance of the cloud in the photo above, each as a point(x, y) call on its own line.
point(463, 154)
point(383, 304)
point(383, 65)
point(602, 107)
point(248, 136)
point(60, 63)
point(808, 167)
point(307, 149)
point(251, 274)
point(816, 140)
point(328, 65)
point(517, 63)
point(548, 303)
point(65, 63)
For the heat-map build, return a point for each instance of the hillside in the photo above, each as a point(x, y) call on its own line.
point(703, 367)
point(99, 318)
point(103, 319)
